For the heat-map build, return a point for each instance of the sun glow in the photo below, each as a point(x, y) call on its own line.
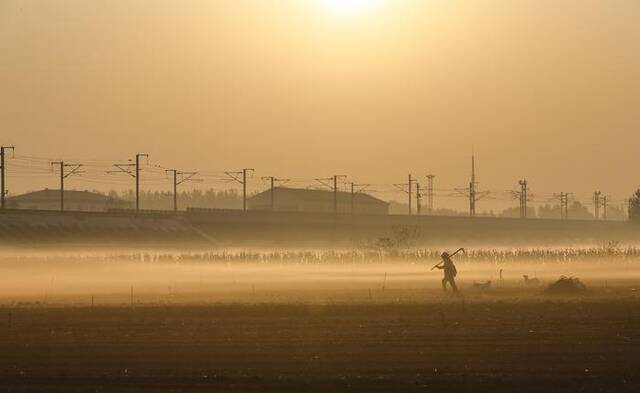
point(350, 7)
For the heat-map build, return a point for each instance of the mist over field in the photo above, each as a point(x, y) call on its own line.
point(303, 275)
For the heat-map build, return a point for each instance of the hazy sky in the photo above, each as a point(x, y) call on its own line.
point(545, 89)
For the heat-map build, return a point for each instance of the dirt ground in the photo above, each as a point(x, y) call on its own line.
point(541, 345)
point(169, 327)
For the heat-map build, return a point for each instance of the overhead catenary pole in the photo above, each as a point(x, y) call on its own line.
point(138, 179)
point(64, 175)
point(272, 188)
point(564, 205)
point(3, 190)
point(186, 176)
point(175, 190)
point(273, 196)
point(418, 198)
point(335, 194)
point(241, 177)
point(472, 187)
point(334, 187)
point(523, 198)
point(127, 168)
point(61, 186)
point(353, 198)
point(410, 185)
point(407, 187)
point(408, 191)
point(596, 202)
point(355, 191)
point(244, 190)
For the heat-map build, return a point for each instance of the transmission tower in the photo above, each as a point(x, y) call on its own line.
point(523, 198)
point(430, 193)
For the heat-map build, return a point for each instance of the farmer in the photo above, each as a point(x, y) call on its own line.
point(450, 272)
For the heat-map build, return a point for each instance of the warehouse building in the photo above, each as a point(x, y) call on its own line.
point(73, 200)
point(316, 201)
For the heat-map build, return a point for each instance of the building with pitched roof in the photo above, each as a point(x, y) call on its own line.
point(49, 199)
point(316, 201)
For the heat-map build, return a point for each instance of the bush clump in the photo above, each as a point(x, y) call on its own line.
point(566, 285)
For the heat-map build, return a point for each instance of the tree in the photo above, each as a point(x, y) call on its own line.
point(549, 211)
point(578, 211)
point(634, 207)
point(514, 212)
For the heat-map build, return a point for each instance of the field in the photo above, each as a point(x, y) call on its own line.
point(140, 323)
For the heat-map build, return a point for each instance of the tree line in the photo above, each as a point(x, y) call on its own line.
point(159, 200)
point(232, 199)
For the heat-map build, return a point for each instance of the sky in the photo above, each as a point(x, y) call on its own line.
point(546, 90)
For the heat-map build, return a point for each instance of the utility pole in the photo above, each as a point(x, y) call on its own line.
point(604, 208)
point(523, 198)
point(2, 173)
point(185, 176)
point(430, 193)
point(596, 202)
point(74, 170)
point(243, 181)
point(273, 180)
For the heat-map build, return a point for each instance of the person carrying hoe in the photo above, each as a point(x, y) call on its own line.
point(450, 271)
